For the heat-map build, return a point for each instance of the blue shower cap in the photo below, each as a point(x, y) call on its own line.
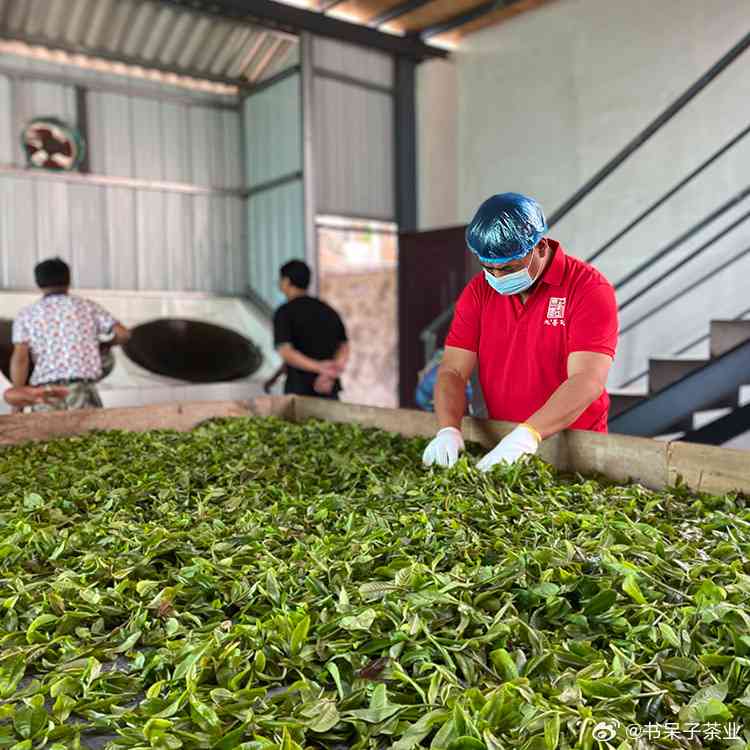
point(506, 227)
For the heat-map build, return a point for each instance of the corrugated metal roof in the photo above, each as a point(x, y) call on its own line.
point(150, 34)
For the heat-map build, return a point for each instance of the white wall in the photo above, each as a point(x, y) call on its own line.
point(437, 144)
point(547, 98)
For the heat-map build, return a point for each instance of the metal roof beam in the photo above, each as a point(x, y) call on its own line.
point(291, 18)
point(396, 12)
point(75, 49)
point(330, 5)
point(464, 18)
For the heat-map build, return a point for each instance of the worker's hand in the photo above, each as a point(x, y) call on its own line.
point(524, 439)
point(49, 394)
point(329, 368)
point(324, 385)
point(444, 448)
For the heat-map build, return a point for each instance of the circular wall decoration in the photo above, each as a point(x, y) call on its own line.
point(51, 144)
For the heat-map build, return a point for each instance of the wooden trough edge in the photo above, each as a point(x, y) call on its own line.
point(653, 463)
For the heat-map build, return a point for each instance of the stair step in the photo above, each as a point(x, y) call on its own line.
point(696, 386)
point(620, 402)
point(706, 416)
point(723, 430)
point(726, 334)
point(664, 372)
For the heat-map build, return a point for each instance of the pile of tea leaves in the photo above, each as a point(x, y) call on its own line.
point(256, 584)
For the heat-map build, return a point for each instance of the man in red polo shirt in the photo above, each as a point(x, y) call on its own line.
point(541, 325)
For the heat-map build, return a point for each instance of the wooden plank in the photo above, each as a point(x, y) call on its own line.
point(21, 428)
point(621, 458)
point(618, 457)
point(433, 13)
point(706, 468)
point(364, 10)
point(493, 18)
point(405, 422)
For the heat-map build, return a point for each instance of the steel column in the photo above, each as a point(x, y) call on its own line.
point(307, 83)
point(406, 145)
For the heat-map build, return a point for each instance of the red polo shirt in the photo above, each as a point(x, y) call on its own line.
point(523, 348)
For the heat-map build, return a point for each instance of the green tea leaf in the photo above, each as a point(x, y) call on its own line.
point(42, 622)
point(12, 671)
point(504, 664)
point(362, 621)
point(299, 635)
point(600, 603)
point(552, 732)
point(326, 717)
point(679, 668)
point(30, 723)
point(633, 590)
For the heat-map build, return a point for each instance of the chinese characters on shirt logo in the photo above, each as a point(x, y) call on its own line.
point(556, 312)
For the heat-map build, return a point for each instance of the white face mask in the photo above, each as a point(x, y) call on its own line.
point(510, 283)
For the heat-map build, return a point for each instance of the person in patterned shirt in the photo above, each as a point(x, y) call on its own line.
point(59, 334)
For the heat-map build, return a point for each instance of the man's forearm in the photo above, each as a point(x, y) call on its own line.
point(19, 370)
point(15, 397)
point(295, 358)
point(450, 399)
point(566, 404)
point(342, 356)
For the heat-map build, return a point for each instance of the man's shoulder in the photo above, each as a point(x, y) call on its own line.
point(283, 309)
point(35, 308)
point(314, 304)
point(581, 272)
point(27, 310)
point(476, 290)
point(83, 302)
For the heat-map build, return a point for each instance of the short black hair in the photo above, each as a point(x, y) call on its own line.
point(298, 272)
point(52, 273)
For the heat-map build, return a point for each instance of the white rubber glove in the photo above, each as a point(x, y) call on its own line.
point(444, 448)
point(524, 439)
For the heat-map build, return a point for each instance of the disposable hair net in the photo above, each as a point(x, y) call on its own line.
point(506, 227)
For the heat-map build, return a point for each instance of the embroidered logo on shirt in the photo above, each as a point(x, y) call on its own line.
point(556, 307)
point(556, 312)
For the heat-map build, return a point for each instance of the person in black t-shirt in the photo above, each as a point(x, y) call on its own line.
point(309, 336)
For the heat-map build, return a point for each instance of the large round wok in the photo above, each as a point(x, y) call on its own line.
point(192, 350)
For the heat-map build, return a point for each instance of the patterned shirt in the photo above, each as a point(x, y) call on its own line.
point(62, 332)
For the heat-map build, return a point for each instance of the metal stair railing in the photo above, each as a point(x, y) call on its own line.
point(651, 129)
point(669, 194)
point(689, 288)
point(684, 237)
point(429, 335)
point(684, 261)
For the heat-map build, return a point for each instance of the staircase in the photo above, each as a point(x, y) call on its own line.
point(683, 392)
